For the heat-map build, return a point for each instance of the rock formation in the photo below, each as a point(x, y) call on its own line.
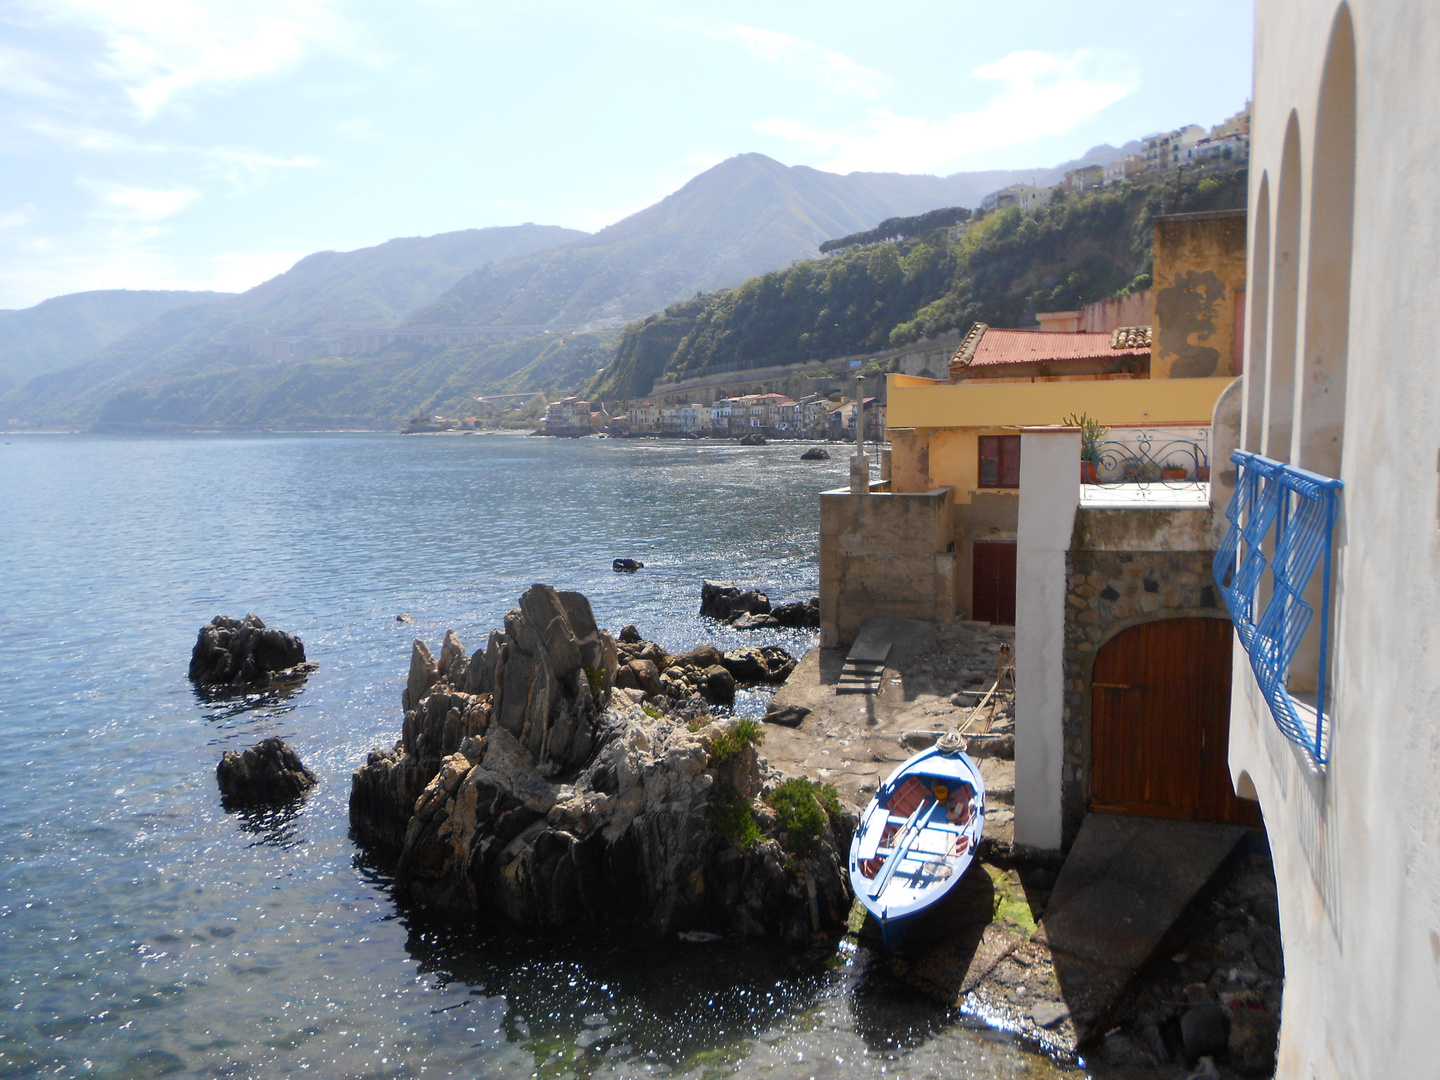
point(245, 654)
point(627, 566)
point(816, 453)
point(528, 784)
point(749, 609)
point(269, 773)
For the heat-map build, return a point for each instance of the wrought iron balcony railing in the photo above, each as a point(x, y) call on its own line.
point(1293, 513)
point(1146, 457)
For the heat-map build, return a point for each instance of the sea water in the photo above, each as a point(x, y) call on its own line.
point(145, 931)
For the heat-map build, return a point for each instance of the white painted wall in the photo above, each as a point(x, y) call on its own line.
point(1356, 845)
point(1049, 494)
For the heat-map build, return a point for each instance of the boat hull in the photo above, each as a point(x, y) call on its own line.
point(917, 838)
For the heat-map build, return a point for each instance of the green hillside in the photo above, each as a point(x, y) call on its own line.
point(372, 392)
point(1005, 267)
point(67, 330)
point(324, 292)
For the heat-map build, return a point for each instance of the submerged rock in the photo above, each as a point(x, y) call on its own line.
point(526, 783)
point(269, 773)
point(245, 654)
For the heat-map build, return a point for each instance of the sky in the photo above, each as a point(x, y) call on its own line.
point(209, 144)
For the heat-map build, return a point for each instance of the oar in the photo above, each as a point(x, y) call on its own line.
point(897, 852)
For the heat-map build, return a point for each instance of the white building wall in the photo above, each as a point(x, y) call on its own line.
point(1357, 843)
point(1049, 493)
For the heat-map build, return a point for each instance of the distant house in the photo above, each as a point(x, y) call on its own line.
point(1025, 196)
point(1084, 178)
point(1124, 168)
point(642, 417)
point(568, 416)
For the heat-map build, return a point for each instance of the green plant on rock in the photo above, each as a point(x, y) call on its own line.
point(803, 809)
point(596, 677)
point(651, 711)
point(734, 818)
point(727, 744)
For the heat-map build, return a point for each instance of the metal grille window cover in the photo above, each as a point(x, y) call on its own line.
point(1147, 457)
point(1299, 509)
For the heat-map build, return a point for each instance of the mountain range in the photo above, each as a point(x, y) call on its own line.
point(743, 217)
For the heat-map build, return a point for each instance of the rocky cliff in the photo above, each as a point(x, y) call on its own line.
point(526, 783)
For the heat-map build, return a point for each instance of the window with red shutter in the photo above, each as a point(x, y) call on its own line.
point(999, 461)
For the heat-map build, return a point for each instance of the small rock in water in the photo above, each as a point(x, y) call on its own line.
point(627, 566)
point(269, 773)
point(816, 453)
point(1049, 1013)
point(244, 654)
point(404, 617)
point(595, 1020)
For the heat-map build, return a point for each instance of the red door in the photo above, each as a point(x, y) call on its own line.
point(993, 583)
point(1160, 723)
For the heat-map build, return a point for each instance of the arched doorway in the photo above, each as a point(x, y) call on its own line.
point(1160, 723)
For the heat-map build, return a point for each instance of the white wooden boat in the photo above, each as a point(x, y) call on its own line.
point(918, 835)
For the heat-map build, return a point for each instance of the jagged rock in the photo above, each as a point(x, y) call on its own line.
point(629, 635)
point(766, 664)
point(754, 622)
point(627, 566)
point(245, 654)
point(816, 453)
point(800, 614)
point(724, 601)
point(267, 773)
point(753, 440)
point(551, 804)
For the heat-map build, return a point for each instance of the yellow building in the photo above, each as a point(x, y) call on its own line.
point(955, 444)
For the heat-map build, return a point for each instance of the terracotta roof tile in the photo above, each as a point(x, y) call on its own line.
point(987, 346)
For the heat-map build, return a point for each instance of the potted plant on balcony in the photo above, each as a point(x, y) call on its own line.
point(1091, 434)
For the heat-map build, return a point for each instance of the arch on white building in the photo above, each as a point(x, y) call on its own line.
point(1257, 362)
point(1318, 438)
point(1284, 302)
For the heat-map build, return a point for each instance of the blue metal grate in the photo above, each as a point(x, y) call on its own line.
point(1298, 510)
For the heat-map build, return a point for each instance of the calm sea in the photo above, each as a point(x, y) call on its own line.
point(146, 932)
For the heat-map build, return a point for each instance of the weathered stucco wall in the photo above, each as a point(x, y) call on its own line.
point(884, 555)
point(1199, 268)
point(1049, 493)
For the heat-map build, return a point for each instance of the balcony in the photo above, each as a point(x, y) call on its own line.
point(1281, 519)
point(1143, 466)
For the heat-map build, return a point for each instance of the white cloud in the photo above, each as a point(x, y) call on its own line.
point(156, 48)
point(1041, 94)
point(837, 71)
point(150, 205)
point(13, 219)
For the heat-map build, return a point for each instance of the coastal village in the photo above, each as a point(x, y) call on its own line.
point(1157, 561)
point(1109, 733)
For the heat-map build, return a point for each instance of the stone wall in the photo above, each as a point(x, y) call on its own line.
point(1110, 591)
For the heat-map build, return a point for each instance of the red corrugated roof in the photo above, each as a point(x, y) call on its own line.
point(1038, 346)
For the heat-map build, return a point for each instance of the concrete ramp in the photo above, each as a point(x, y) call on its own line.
point(1125, 883)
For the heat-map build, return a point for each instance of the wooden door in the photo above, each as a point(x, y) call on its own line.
point(992, 583)
point(1160, 723)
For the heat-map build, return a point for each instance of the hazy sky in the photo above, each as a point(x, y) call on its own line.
point(211, 143)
